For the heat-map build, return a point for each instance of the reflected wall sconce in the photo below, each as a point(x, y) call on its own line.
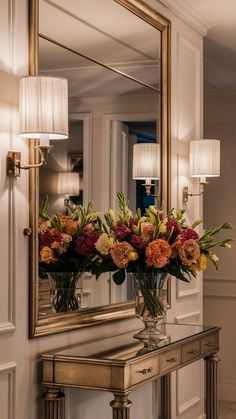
point(68, 185)
point(43, 115)
point(146, 164)
point(204, 161)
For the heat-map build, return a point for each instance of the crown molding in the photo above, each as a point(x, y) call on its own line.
point(189, 14)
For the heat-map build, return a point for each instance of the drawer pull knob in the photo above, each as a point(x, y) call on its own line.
point(146, 370)
point(208, 344)
point(171, 360)
point(193, 352)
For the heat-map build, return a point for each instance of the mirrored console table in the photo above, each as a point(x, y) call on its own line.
point(119, 364)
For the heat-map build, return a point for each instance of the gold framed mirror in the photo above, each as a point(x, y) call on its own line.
point(43, 47)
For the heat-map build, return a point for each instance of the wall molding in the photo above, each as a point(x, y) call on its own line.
point(185, 406)
point(188, 14)
point(221, 296)
point(187, 293)
point(197, 314)
point(9, 325)
point(87, 151)
point(218, 280)
point(220, 288)
point(9, 370)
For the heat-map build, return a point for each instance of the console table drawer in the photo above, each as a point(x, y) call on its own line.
point(208, 343)
point(144, 370)
point(190, 351)
point(170, 360)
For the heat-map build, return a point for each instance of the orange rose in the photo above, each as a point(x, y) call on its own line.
point(55, 245)
point(69, 226)
point(148, 230)
point(175, 248)
point(158, 253)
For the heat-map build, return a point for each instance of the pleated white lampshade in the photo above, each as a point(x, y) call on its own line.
point(44, 107)
point(146, 161)
point(68, 183)
point(204, 158)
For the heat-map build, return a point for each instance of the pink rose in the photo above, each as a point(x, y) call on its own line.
point(189, 252)
point(120, 253)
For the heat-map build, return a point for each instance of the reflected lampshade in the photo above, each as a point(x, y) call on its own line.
point(204, 158)
point(146, 161)
point(43, 107)
point(68, 183)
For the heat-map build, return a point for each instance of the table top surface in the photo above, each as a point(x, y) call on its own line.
point(125, 348)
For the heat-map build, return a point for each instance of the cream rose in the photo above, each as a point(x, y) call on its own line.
point(103, 244)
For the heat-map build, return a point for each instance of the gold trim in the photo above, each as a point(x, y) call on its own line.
point(71, 321)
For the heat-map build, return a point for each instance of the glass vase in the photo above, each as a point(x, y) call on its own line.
point(150, 296)
point(65, 296)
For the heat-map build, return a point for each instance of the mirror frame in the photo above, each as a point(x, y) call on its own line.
point(71, 321)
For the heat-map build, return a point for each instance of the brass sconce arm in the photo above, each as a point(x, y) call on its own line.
point(14, 165)
point(186, 193)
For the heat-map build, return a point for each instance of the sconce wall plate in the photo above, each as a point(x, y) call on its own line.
point(14, 160)
point(13, 163)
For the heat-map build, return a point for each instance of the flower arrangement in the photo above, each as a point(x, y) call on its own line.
point(154, 242)
point(67, 241)
point(66, 244)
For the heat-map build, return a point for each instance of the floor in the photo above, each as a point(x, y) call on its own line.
point(227, 410)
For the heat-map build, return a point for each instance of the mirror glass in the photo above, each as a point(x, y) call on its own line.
point(130, 45)
point(112, 59)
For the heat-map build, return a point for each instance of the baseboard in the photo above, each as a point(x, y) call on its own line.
point(227, 389)
point(203, 416)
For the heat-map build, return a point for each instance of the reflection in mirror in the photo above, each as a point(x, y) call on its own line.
point(112, 36)
point(58, 180)
point(113, 62)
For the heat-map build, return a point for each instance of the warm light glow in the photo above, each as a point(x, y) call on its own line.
point(204, 158)
point(146, 161)
point(44, 107)
point(68, 183)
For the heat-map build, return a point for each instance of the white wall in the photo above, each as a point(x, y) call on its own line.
point(19, 372)
point(220, 205)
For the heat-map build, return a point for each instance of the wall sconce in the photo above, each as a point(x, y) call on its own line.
point(204, 161)
point(43, 115)
point(68, 185)
point(146, 164)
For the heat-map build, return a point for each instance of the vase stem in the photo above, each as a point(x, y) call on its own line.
point(150, 292)
point(64, 297)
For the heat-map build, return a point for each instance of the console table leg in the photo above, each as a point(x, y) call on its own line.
point(54, 403)
point(121, 406)
point(211, 386)
point(165, 397)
